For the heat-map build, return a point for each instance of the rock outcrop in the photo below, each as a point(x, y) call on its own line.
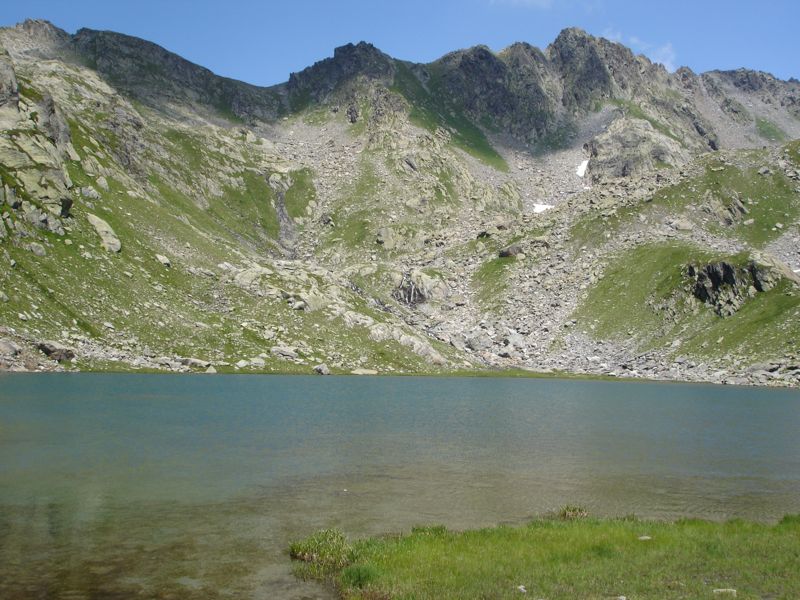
point(108, 238)
point(9, 89)
point(726, 286)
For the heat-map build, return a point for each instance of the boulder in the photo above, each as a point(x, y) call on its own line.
point(386, 238)
point(478, 340)
point(416, 287)
point(322, 369)
point(37, 249)
point(195, 363)
point(509, 251)
point(108, 238)
point(631, 146)
point(284, 352)
point(53, 123)
point(56, 351)
point(163, 260)
point(364, 372)
point(9, 348)
point(726, 286)
point(251, 276)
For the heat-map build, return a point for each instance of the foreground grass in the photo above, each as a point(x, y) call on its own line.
point(567, 557)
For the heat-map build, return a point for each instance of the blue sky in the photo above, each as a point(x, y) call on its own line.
point(262, 42)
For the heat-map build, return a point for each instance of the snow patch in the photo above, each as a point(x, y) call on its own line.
point(540, 208)
point(581, 170)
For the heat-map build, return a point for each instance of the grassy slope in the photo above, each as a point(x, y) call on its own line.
point(643, 291)
point(584, 558)
point(75, 289)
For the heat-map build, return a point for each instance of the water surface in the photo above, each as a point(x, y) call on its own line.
point(191, 486)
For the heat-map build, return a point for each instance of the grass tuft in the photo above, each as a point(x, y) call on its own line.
point(571, 512)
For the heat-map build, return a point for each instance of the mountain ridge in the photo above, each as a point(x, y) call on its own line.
point(550, 210)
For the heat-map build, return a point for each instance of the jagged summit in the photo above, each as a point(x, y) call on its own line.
point(318, 81)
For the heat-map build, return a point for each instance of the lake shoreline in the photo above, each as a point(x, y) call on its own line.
point(562, 555)
point(468, 374)
point(21, 354)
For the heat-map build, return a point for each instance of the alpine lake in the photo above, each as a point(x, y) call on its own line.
point(168, 486)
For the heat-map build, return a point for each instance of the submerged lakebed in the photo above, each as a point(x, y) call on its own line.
point(193, 486)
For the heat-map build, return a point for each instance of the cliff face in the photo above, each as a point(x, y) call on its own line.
point(558, 209)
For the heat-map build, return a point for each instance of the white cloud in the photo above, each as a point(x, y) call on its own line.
point(664, 54)
point(615, 35)
point(542, 4)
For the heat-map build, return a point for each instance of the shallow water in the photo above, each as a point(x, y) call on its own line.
point(120, 486)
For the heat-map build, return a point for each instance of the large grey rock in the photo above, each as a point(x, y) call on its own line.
point(322, 369)
point(56, 351)
point(478, 340)
point(53, 123)
point(37, 249)
point(164, 260)
point(284, 352)
point(415, 287)
point(631, 146)
point(364, 372)
point(195, 363)
point(108, 238)
point(509, 251)
point(9, 348)
point(726, 286)
point(9, 89)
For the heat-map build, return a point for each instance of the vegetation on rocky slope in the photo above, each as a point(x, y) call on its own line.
point(356, 216)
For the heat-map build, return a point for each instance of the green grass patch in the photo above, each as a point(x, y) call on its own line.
point(300, 193)
point(225, 111)
point(769, 130)
point(564, 559)
point(188, 149)
point(637, 112)
point(491, 279)
point(242, 207)
point(28, 91)
point(352, 217)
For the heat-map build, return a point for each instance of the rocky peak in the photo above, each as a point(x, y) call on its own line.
point(524, 56)
point(576, 56)
point(318, 81)
point(34, 38)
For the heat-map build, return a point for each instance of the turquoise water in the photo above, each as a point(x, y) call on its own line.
point(191, 486)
